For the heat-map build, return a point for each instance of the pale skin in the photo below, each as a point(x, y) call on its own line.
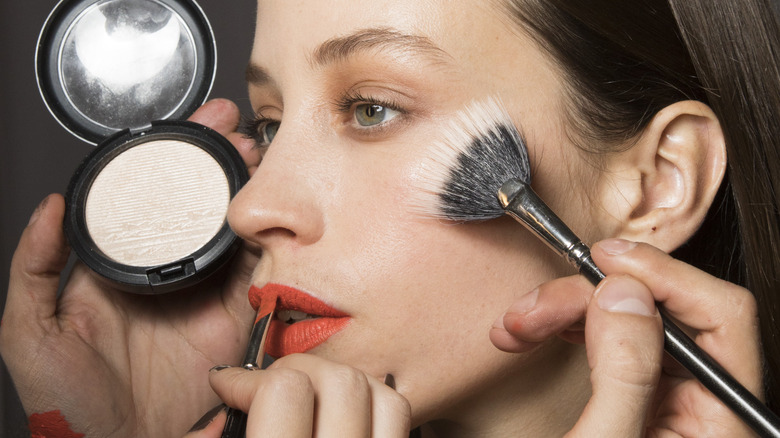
point(324, 212)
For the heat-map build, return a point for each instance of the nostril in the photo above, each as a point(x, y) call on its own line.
point(279, 232)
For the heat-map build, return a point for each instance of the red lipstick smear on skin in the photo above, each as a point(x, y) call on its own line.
point(51, 424)
point(284, 339)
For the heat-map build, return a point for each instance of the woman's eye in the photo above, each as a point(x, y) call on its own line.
point(370, 114)
point(268, 131)
point(260, 129)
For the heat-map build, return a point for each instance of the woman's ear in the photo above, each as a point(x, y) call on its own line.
point(660, 190)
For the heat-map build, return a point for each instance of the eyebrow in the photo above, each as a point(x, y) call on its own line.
point(257, 75)
point(340, 49)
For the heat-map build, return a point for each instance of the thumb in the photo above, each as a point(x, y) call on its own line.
point(221, 115)
point(624, 341)
point(39, 259)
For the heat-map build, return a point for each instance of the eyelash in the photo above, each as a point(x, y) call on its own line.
point(250, 127)
point(347, 102)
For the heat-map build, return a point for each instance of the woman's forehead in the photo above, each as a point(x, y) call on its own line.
point(312, 33)
point(308, 23)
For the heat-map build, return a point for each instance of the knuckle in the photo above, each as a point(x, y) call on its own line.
point(294, 360)
point(288, 380)
point(283, 385)
point(350, 379)
point(349, 386)
point(742, 314)
point(398, 407)
point(742, 300)
point(633, 366)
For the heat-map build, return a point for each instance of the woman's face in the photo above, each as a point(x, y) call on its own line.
point(330, 206)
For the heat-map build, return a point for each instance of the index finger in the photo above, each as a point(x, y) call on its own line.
point(692, 296)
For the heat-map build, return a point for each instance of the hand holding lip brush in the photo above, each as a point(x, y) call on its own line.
point(482, 171)
point(235, 425)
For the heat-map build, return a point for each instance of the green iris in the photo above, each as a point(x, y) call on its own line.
point(369, 114)
point(269, 131)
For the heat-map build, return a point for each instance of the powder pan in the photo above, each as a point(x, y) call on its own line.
point(147, 208)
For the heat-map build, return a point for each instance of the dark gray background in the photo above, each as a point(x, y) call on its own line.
point(37, 156)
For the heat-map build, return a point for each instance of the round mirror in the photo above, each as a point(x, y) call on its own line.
point(107, 65)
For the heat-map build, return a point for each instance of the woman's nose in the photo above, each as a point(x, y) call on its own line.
point(280, 204)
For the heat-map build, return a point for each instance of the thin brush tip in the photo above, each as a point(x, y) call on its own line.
point(267, 306)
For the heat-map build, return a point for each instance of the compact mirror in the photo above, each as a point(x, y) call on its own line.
point(147, 208)
point(104, 66)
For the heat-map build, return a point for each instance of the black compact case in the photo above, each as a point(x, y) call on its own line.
point(123, 74)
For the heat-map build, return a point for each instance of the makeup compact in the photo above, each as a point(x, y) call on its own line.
point(147, 208)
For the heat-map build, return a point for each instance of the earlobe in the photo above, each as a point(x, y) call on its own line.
point(667, 181)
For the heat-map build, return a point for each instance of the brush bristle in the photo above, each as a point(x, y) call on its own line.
point(481, 150)
point(267, 306)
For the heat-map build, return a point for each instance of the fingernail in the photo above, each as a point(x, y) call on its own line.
point(499, 323)
point(519, 307)
point(625, 295)
point(525, 303)
point(219, 368)
point(37, 213)
point(390, 380)
point(208, 418)
point(616, 247)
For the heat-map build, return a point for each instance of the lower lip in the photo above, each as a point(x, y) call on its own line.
point(284, 339)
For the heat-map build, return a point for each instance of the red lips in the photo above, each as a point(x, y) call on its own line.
point(301, 336)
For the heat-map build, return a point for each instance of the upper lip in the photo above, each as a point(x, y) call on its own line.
point(290, 298)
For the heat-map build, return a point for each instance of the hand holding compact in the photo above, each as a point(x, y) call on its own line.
point(112, 362)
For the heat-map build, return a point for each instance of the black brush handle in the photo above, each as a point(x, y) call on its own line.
point(522, 203)
point(235, 425)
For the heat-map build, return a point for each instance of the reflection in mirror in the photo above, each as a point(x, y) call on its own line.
point(125, 63)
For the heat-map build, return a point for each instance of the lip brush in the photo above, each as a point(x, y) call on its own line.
point(235, 425)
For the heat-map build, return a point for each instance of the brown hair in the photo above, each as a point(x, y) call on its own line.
point(625, 61)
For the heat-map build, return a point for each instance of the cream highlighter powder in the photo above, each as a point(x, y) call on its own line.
point(157, 203)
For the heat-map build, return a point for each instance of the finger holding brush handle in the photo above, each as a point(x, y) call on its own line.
point(520, 202)
point(303, 395)
point(719, 315)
